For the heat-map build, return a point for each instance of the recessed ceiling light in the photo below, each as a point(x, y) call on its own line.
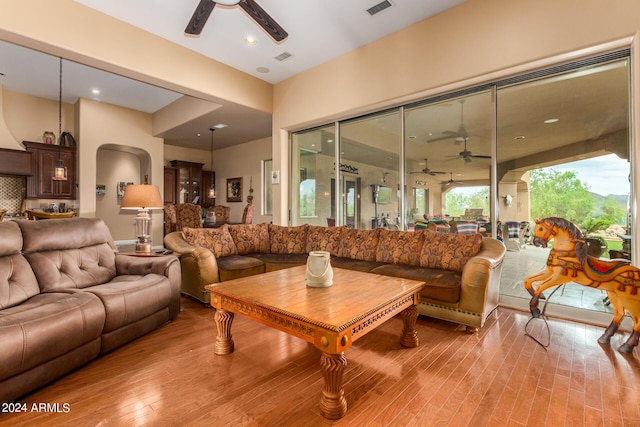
point(262, 70)
point(519, 137)
point(250, 40)
point(551, 121)
point(95, 91)
point(220, 126)
point(198, 135)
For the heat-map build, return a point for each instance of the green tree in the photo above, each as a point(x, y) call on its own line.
point(612, 212)
point(561, 194)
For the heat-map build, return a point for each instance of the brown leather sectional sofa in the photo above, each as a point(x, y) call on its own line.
point(66, 297)
point(461, 272)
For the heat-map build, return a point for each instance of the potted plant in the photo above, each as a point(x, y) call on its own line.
point(596, 245)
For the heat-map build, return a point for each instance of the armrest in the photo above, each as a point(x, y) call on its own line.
point(126, 264)
point(480, 284)
point(199, 266)
point(167, 266)
point(177, 244)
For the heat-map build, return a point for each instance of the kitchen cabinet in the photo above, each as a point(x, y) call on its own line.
point(41, 185)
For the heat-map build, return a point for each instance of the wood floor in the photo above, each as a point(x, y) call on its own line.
point(497, 377)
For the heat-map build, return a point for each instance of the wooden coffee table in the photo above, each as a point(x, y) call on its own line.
point(331, 318)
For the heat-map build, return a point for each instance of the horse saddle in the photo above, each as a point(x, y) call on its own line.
point(601, 270)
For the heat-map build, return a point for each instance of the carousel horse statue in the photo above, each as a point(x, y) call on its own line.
point(569, 262)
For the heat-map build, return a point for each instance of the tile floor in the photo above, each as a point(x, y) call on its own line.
point(518, 265)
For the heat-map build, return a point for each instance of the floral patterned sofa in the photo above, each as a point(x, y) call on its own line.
point(461, 272)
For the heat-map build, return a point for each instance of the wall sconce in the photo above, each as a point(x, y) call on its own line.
point(508, 200)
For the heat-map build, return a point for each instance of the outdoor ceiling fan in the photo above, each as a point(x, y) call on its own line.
point(458, 136)
point(428, 171)
point(467, 155)
point(255, 12)
point(452, 181)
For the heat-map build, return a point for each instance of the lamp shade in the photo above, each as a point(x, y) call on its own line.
point(141, 196)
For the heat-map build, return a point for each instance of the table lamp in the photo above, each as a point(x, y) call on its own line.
point(142, 197)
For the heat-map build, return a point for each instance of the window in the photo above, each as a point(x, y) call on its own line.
point(267, 193)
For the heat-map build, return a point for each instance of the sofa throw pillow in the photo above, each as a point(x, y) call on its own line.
point(400, 247)
point(325, 239)
point(449, 251)
point(288, 240)
point(250, 238)
point(217, 240)
point(360, 244)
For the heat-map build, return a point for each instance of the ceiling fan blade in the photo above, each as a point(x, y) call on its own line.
point(478, 156)
point(200, 16)
point(262, 18)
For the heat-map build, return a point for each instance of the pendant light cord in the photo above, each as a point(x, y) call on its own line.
point(60, 113)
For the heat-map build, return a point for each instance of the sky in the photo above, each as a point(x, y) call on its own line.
point(603, 175)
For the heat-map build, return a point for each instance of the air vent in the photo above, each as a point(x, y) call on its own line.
point(283, 56)
point(379, 7)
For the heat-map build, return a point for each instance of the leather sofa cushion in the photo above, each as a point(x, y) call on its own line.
point(442, 285)
point(217, 240)
point(17, 281)
point(325, 239)
point(354, 264)
point(72, 268)
point(45, 327)
point(288, 240)
point(360, 244)
point(11, 238)
point(61, 234)
point(129, 298)
point(399, 247)
point(234, 267)
point(449, 251)
point(250, 238)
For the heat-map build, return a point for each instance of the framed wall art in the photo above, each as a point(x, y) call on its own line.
point(234, 189)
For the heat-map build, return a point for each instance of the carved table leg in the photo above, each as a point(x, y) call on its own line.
point(409, 334)
point(224, 342)
point(332, 403)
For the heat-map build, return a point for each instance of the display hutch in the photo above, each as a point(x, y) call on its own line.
point(188, 181)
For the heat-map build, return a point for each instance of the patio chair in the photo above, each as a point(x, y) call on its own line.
point(514, 236)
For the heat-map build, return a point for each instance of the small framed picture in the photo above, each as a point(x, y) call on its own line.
point(275, 177)
point(121, 186)
point(234, 189)
point(101, 189)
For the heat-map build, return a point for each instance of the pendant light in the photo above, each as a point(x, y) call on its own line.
point(212, 189)
point(60, 171)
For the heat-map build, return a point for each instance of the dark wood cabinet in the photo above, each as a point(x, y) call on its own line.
point(170, 186)
point(188, 181)
point(207, 178)
point(41, 185)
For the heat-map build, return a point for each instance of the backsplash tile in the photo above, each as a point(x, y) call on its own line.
point(11, 190)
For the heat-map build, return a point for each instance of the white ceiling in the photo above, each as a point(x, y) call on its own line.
point(319, 30)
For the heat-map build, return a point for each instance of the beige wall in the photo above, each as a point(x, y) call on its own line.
point(27, 117)
point(242, 161)
point(111, 127)
point(476, 42)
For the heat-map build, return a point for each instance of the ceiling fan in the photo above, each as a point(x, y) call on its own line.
point(452, 181)
point(255, 12)
point(458, 136)
point(428, 171)
point(467, 155)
